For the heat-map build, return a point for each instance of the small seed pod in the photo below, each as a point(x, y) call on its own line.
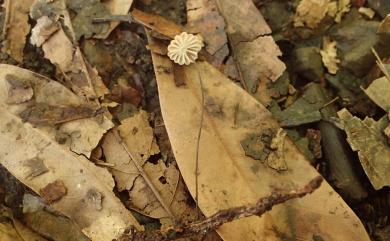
point(184, 48)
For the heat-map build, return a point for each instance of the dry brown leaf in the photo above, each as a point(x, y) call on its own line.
point(116, 7)
point(329, 55)
point(59, 49)
point(22, 142)
point(343, 7)
point(203, 17)
point(157, 23)
point(228, 178)
point(16, 27)
point(81, 135)
point(255, 54)
point(138, 136)
point(259, 61)
point(244, 21)
point(165, 179)
point(310, 13)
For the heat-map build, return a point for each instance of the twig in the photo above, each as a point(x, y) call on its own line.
point(6, 18)
point(145, 176)
point(198, 145)
point(202, 227)
point(380, 64)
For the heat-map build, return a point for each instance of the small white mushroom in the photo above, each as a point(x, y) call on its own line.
point(184, 48)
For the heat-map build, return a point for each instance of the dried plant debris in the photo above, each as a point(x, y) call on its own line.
point(366, 137)
point(11, 229)
point(59, 47)
point(53, 109)
point(304, 110)
point(310, 13)
point(329, 55)
point(338, 9)
point(379, 92)
point(256, 55)
point(16, 27)
point(203, 17)
point(115, 7)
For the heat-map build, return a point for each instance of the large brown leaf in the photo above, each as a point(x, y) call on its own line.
point(70, 182)
point(229, 178)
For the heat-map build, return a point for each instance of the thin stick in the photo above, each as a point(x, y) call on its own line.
point(6, 18)
point(198, 145)
point(228, 215)
point(145, 176)
point(380, 64)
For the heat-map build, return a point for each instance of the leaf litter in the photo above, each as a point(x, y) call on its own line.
point(105, 82)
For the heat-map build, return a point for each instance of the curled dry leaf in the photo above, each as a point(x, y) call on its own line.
point(16, 27)
point(310, 13)
point(227, 177)
point(184, 48)
point(329, 55)
point(22, 142)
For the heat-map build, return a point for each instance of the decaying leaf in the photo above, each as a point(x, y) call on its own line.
point(227, 177)
point(21, 142)
point(305, 109)
point(276, 158)
point(256, 55)
point(329, 55)
point(115, 7)
point(203, 17)
point(310, 13)
point(384, 26)
point(341, 7)
point(379, 92)
point(19, 90)
point(44, 28)
point(366, 137)
point(13, 230)
point(16, 27)
point(54, 191)
point(137, 135)
point(55, 110)
point(59, 49)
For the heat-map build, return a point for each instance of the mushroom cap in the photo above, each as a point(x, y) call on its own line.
point(184, 48)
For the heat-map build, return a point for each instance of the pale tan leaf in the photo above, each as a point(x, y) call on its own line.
point(343, 7)
point(228, 178)
point(256, 55)
point(81, 135)
point(310, 13)
point(16, 27)
point(329, 55)
point(22, 142)
point(203, 18)
point(165, 179)
point(244, 23)
point(116, 7)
